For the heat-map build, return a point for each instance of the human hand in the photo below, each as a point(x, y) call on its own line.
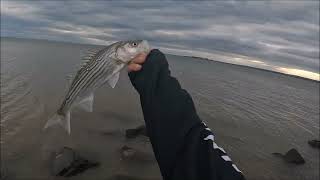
point(136, 62)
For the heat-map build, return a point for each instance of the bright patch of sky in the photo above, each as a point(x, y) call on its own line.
point(282, 36)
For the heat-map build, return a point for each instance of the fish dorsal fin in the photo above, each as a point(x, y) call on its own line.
point(87, 103)
point(114, 79)
point(88, 57)
point(90, 54)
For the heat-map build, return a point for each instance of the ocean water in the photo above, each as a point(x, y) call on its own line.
point(252, 112)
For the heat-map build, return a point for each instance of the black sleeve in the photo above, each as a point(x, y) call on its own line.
point(184, 147)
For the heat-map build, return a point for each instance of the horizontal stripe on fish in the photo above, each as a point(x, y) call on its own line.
point(108, 51)
point(77, 81)
point(85, 72)
point(89, 82)
point(76, 90)
point(95, 80)
point(90, 63)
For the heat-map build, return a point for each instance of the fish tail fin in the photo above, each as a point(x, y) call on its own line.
point(62, 120)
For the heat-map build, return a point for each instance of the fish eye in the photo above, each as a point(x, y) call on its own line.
point(134, 44)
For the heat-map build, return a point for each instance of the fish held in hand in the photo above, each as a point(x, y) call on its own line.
point(101, 67)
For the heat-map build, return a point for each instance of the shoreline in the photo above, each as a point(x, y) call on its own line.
point(249, 67)
point(194, 57)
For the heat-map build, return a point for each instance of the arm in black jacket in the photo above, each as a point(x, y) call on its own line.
point(184, 147)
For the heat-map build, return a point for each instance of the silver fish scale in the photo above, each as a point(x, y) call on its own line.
point(90, 74)
point(96, 57)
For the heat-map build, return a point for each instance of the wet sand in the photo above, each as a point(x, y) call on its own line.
point(252, 113)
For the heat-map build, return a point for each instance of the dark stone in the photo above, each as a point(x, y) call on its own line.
point(137, 154)
point(79, 166)
point(68, 163)
point(292, 156)
point(62, 161)
point(314, 143)
point(127, 152)
point(140, 130)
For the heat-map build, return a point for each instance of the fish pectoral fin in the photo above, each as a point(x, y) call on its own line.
point(87, 103)
point(62, 120)
point(114, 79)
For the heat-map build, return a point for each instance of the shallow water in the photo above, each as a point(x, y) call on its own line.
point(252, 112)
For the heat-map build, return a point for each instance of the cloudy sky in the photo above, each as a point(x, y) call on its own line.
point(277, 35)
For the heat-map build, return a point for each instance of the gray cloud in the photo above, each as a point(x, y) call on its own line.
point(284, 33)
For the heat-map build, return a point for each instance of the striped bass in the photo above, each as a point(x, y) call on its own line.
point(102, 67)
